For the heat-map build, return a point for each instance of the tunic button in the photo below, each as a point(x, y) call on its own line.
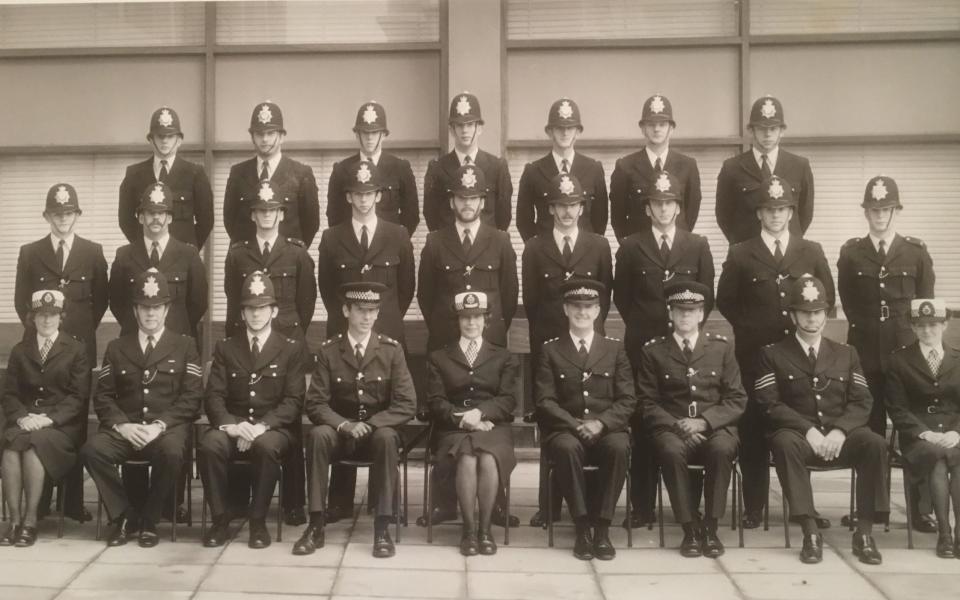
point(468, 286)
point(146, 391)
point(470, 373)
point(784, 313)
point(144, 410)
point(883, 285)
point(783, 294)
point(936, 384)
point(883, 303)
point(786, 332)
point(253, 375)
point(146, 372)
point(693, 388)
point(819, 397)
point(251, 411)
point(586, 411)
point(819, 413)
point(40, 388)
point(252, 393)
point(936, 399)
point(586, 393)
point(359, 392)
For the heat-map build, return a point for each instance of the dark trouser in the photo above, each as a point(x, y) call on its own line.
point(569, 455)
point(863, 450)
point(324, 445)
point(643, 483)
point(106, 449)
point(716, 454)
point(217, 449)
point(754, 455)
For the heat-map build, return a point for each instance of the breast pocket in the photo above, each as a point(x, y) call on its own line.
point(76, 288)
point(600, 384)
point(183, 205)
point(383, 268)
point(177, 281)
point(901, 281)
point(484, 276)
point(284, 283)
point(170, 375)
point(389, 204)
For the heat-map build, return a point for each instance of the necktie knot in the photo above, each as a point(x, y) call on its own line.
point(565, 165)
point(266, 248)
point(467, 160)
point(155, 254)
point(812, 355)
point(778, 250)
point(62, 243)
point(583, 347)
point(664, 245)
point(765, 166)
point(265, 171)
point(658, 166)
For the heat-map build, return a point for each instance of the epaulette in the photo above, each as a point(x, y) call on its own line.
point(613, 339)
point(914, 241)
point(295, 241)
point(239, 244)
point(290, 340)
point(716, 336)
point(656, 340)
point(387, 339)
point(851, 242)
point(332, 340)
point(550, 340)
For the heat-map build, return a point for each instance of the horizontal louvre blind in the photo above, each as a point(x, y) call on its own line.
point(102, 25)
point(852, 16)
point(328, 21)
point(611, 19)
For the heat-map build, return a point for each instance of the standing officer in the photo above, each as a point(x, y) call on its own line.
point(816, 405)
point(877, 277)
point(692, 399)
point(294, 181)
point(74, 265)
point(148, 396)
point(549, 260)
point(563, 128)
point(192, 196)
point(585, 396)
point(179, 262)
point(467, 255)
point(398, 188)
point(254, 398)
point(740, 182)
point(636, 173)
point(753, 294)
point(360, 394)
point(466, 125)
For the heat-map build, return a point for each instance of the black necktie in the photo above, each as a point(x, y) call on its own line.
point(155, 255)
point(467, 244)
point(565, 166)
point(658, 166)
point(812, 355)
point(765, 167)
point(264, 172)
point(687, 350)
point(778, 252)
point(467, 160)
point(60, 255)
point(583, 349)
point(364, 240)
point(163, 170)
point(882, 252)
point(255, 349)
point(359, 354)
point(149, 349)
point(266, 249)
point(664, 247)
point(567, 250)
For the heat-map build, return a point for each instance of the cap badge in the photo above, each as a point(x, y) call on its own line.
point(363, 173)
point(369, 114)
point(265, 115)
point(156, 195)
point(463, 106)
point(471, 300)
point(663, 183)
point(775, 190)
point(879, 190)
point(656, 105)
point(468, 179)
point(256, 286)
point(48, 298)
point(63, 196)
point(165, 119)
point(565, 110)
point(768, 110)
point(266, 192)
point(566, 186)
point(150, 287)
point(927, 310)
point(810, 292)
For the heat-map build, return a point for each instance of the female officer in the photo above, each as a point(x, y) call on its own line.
point(471, 383)
point(48, 381)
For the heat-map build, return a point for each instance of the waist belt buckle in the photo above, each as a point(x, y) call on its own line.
point(884, 312)
point(692, 410)
point(467, 403)
point(931, 410)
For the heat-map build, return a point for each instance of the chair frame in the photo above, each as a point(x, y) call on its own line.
point(818, 469)
point(895, 459)
point(249, 463)
point(736, 510)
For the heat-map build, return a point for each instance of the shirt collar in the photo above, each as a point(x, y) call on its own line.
point(887, 237)
point(143, 338)
point(156, 163)
point(653, 156)
point(771, 157)
point(925, 349)
point(806, 347)
point(375, 159)
point(272, 162)
point(692, 337)
point(464, 342)
point(262, 337)
point(363, 343)
point(472, 154)
point(473, 226)
point(68, 241)
point(558, 238)
point(271, 240)
point(52, 338)
point(770, 241)
point(358, 228)
point(558, 159)
point(671, 232)
point(148, 243)
point(588, 339)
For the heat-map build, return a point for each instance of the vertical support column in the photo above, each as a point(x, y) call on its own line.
point(745, 98)
point(209, 138)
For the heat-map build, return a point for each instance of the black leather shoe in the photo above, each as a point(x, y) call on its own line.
point(27, 537)
point(80, 516)
point(488, 546)
point(752, 520)
point(583, 546)
point(337, 513)
point(259, 536)
point(925, 524)
point(865, 549)
point(439, 515)
point(847, 521)
point(182, 514)
point(602, 546)
point(148, 535)
point(9, 537)
point(294, 516)
point(822, 523)
point(382, 544)
point(311, 539)
point(469, 543)
point(123, 530)
point(711, 545)
point(945, 546)
point(812, 551)
point(538, 520)
point(498, 517)
point(690, 546)
point(636, 520)
point(218, 533)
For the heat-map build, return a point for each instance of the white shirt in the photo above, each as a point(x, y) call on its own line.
point(806, 347)
point(692, 339)
point(272, 240)
point(161, 244)
point(358, 228)
point(143, 338)
point(887, 238)
point(262, 337)
point(771, 242)
point(653, 157)
point(461, 155)
point(925, 350)
point(559, 160)
point(52, 338)
point(658, 235)
point(363, 343)
point(157, 165)
point(67, 244)
point(465, 343)
point(558, 238)
point(771, 158)
point(375, 158)
point(588, 340)
point(474, 227)
point(271, 164)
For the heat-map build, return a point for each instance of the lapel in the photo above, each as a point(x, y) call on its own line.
point(485, 353)
point(868, 251)
point(140, 256)
point(47, 255)
point(347, 352)
point(892, 251)
point(75, 255)
point(275, 251)
point(749, 164)
point(548, 168)
point(798, 357)
point(825, 357)
point(33, 350)
point(57, 347)
point(170, 255)
point(251, 175)
point(348, 240)
point(449, 163)
point(451, 239)
point(649, 246)
point(268, 351)
point(377, 241)
point(484, 237)
point(163, 349)
point(568, 351)
point(550, 250)
point(948, 364)
point(680, 240)
point(455, 354)
point(579, 248)
point(674, 351)
point(762, 253)
point(242, 349)
point(918, 361)
point(370, 352)
point(700, 350)
point(281, 171)
point(597, 351)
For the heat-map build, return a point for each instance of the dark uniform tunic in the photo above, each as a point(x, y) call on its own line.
point(533, 216)
point(876, 297)
point(707, 386)
point(58, 388)
point(192, 200)
point(378, 391)
point(570, 390)
point(167, 386)
point(398, 195)
point(629, 183)
point(490, 385)
point(298, 193)
point(497, 207)
point(445, 270)
point(921, 401)
point(267, 390)
point(833, 394)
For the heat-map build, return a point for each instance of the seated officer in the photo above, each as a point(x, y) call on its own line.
point(816, 403)
point(584, 395)
point(692, 399)
point(254, 397)
point(360, 394)
point(148, 395)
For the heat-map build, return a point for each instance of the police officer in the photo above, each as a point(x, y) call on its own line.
point(563, 128)
point(360, 394)
point(294, 181)
point(467, 255)
point(634, 174)
point(75, 266)
point(877, 277)
point(179, 262)
point(740, 181)
point(466, 126)
point(816, 405)
point(584, 391)
point(253, 400)
point(192, 196)
point(753, 294)
point(692, 399)
point(148, 395)
point(398, 194)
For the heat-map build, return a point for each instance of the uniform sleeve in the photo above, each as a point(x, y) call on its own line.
point(648, 394)
point(549, 412)
point(805, 198)
point(441, 411)
point(403, 400)
point(526, 204)
point(499, 409)
point(622, 281)
point(433, 196)
point(856, 411)
point(336, 200)
point(21, 291)
point(309, 206)
point(326, 280)
point(724, 208)
point(767, 395)
point(215, 403)
point(898, 404)
point(105, 401)
point(13, 407)
point(618, 415)
point(926, 278)
point(73, 404)
point(186, 406)
point(231, 207)
point(121, 297)
point(733, 398)
point(287, 411)
point(502, 212)
point(202, 206)
point(605, 276)
point(198, 294)
point(306, 289)
point(706, 276)
point(823, 273)
point(599, 208)
point(619, 186)
point(127, 208)
point(728, 301)
point(509, 284)
point(406, 275)
point(694, 195)
point(317, 402)
point(846, 284)
point(531, 279)
point(231, 289)
point(425, 295)
point(99, 287)
point(409, 200)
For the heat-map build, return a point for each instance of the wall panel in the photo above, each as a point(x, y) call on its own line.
point(852, 16)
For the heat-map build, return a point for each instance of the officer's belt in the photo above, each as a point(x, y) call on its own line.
point(357, 411)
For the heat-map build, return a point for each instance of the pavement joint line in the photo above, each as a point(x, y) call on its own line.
point(86, 565)
point(221, 550)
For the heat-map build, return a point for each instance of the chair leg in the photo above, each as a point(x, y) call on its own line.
point(766, 510)
point(60, 509)
point(738, 477)
point(397, 492)
point(733, 499)
point(173, 519)
point(406, 505)
point(853, 496)
point(908, 496)
point(506, 499)
point(189, 484)
point(99, 513)
point(280, 508)
point(203, 514)
point(629, 508)
point(786, 522)
point(660, 505)
point(549, 506)
point(886, 526)
point(428, 499)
